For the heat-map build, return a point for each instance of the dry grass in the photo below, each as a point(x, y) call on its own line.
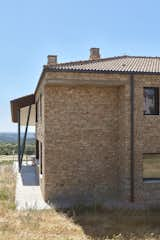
point(76, 224)
point(9, 159)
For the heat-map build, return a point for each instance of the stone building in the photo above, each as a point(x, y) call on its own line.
point(97, 129)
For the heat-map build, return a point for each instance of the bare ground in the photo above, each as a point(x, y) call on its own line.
point(74, 224)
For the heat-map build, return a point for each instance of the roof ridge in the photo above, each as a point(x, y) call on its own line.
point(81, 62)
point(144, 57)
point(90, 61)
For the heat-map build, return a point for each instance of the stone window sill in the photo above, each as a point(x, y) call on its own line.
point(151, 180)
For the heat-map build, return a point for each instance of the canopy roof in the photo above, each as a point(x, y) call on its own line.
point(23, 104)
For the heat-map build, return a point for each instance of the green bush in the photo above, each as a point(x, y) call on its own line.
point(3, 195)
point(12, 148)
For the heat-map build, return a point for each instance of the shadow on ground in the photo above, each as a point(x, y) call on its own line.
point(100, 223)
point(29, 176)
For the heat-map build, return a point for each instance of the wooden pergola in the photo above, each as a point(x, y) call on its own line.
point(23, 113)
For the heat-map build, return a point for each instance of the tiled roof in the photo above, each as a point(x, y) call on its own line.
point(126, 64)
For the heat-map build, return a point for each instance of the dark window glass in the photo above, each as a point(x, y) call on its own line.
point(41, 159)
point(37, 149)
point(151, 101)
point(40, 102)
point(151, 166)
point(36, 112)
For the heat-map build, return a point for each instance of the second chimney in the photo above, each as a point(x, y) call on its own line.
point(52, 59)
point(94, 54)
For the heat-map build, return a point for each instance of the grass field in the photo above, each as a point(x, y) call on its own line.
point(9, 159)
point(75, 224)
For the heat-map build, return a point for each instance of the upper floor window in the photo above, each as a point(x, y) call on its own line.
point(151, 101)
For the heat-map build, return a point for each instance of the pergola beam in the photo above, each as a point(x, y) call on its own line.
point(19, 138)
point(22, 149)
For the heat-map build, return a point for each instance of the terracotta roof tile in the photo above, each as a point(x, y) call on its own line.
point(115, 64)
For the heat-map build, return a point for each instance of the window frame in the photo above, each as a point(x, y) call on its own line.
point(156, 90)
point(148, 179)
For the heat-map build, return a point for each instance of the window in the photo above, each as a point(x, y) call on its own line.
point(41, 158)
point(40, 103)
point(37, 149)
point(39, 108)
point(151, 101)
point(151, 166)
point(36, 112)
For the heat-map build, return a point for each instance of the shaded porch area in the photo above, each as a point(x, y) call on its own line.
point(28, 193)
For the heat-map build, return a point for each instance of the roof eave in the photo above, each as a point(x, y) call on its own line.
point(21, 102)
point(49, 69)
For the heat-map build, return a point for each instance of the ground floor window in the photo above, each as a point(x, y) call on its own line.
point(41, 158)
point(151, 166)
point(37, 149)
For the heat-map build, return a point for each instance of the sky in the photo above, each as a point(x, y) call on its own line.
point(32, 29)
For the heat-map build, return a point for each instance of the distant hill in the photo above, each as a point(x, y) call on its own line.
point(12, 137)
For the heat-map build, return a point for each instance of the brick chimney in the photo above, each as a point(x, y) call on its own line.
point(94, 54)
point(52, 60)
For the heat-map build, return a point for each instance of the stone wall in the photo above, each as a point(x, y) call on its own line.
point(123, 149)
point(147, 140)
point(86, 138)
point(40, 135)
point(81, 144)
